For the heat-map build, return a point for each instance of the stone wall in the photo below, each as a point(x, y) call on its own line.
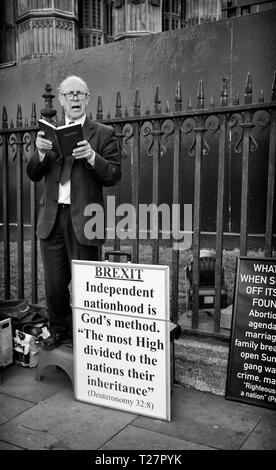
point(210, 51)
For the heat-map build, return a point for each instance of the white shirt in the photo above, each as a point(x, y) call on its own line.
point(64, 190)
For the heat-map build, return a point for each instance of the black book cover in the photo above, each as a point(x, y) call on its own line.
point(64, 138)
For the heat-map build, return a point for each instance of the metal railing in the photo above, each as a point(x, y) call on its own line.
point(158, 134)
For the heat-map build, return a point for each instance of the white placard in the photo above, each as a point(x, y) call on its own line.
point(122, 336)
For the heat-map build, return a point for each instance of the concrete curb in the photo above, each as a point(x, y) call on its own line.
point(201, 364)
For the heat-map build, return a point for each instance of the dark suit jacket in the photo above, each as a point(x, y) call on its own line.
point(86, 182)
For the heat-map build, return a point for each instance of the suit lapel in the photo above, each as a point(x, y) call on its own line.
point(88, 129)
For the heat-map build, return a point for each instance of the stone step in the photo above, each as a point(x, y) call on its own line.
point(201, 363)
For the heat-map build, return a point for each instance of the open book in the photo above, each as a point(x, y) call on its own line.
point(64, 138)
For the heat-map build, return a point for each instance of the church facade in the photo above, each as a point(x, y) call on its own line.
point(35, 28)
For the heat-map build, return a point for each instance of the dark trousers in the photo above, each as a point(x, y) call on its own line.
point(57, 252)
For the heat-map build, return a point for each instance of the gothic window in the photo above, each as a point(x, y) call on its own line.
point(96, 14)
point(171, 14)
point(166, 24)
point(99, 15)
point(109, 18)
point(86, 14)
point(174, 7)
point(7, 31)
point(166, 6)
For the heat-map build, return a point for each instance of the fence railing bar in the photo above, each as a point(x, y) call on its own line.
point(19, 207)
point(194, 112)
point(246, 126)
point(219, 222)
point(34, 242)
point(33, 197)
point(6, 215)
point(155, 189)
point(156, 134)
point(270, 187)
point(118, 131)
point(135, 183)
point(197, 216)
point(175, 252)
point(151, 117)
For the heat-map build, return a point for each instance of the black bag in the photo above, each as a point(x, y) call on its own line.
point(22, 313)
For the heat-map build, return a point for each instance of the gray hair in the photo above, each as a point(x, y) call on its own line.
point(69, 77)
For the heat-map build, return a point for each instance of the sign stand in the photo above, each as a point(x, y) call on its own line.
point(251, 376)
point(121, 332)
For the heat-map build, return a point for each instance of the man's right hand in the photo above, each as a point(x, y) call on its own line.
point(43, 144)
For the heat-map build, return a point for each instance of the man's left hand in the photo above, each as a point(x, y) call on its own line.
point(84, 150)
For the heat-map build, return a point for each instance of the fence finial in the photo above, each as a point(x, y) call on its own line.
point(33, 115)
point(189, 105)
point(137, 103)
point(108, 115)
point(178, 97)
point(5, 124)
point(273, 93)
point(167, 110)
point(248, 89)
point(118, 105)
point(157, 101)
point(200, 95)
point(224, 93)
point(100, 107)
point(147, 111)
point(261, 96)
point(212, 102)
point(48, 112)
point(19, 121)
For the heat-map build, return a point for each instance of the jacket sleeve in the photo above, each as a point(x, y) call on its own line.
point(107, 167)
point(36, 169)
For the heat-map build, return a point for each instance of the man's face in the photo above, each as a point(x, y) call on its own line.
point(74, 108)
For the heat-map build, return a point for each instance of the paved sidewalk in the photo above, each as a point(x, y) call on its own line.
point(44, 416)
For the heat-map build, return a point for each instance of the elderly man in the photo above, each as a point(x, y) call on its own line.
point(69, 186)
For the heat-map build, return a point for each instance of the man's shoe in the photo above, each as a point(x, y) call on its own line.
point(53, 341)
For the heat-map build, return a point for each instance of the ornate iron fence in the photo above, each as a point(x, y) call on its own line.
point(194, 131)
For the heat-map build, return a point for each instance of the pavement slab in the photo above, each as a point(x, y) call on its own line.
point(11, 407)
point(132, 438)
point(263, 437)
point(45, 416)
point(18, 381)
point(5, 446)
point(62, 423)
point(208, 419)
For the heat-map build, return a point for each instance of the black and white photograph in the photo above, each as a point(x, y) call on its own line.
point(137, 229)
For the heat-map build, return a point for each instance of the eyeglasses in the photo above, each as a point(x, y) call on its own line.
point(71, 95)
